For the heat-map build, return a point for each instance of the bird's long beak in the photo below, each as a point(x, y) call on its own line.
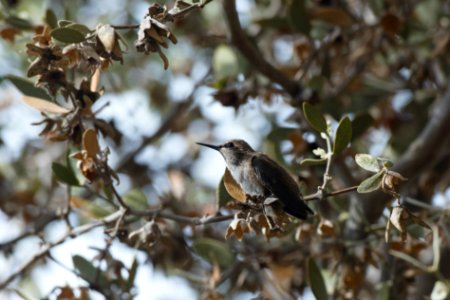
point(210, 146)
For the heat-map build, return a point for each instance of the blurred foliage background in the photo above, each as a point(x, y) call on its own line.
point(122, 92)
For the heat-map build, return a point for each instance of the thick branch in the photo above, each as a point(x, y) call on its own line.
point(416, 158)
point(254, 57)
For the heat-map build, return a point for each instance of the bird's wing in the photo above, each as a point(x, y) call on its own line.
point(280, 184)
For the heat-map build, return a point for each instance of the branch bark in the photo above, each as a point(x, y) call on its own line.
point(415, 159)
point(240, 40)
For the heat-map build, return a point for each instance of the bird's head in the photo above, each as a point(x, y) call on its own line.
point(232, 151)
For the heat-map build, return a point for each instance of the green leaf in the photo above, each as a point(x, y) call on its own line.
point(367, 162)
point(80, 28)
point(315, 117)
point(383, 293)
point(131, 275)
point(313, 161)
point(225, 63)
point(50, 18)
point(27, 88)
point(108, 193)
point(222, 196)
point(213, 251)
point(385, 162)
point(88, 272)
point(316, 281)
point(19, 23)
point(343, 135)
point(317, 82)
point(361, 122)
point(65, 174)
point(371, 184)
point(136, 199)
point(67, 35)
point(298, 16)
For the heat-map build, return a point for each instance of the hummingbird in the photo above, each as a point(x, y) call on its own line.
point(261, 178)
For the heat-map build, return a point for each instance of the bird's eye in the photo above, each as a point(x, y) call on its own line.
point(228, 145)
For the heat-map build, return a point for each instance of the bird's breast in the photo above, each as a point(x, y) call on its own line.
point(246, 177)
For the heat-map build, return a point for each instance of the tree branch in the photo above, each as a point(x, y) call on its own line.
point(37, 228)
point(75, 232)
point(417, 156)
point(253, 56)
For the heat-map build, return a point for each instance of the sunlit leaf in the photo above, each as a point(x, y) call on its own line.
point(367, 162)
point(343, 135)
point(64, 174)
point(441, 290)
point(213, 251)
point(313, 161)
point(314, 117)
point(44, 105)
point(225, 62)
point(371, 184)
point(27, 88)
point(107, 36)
point(64, 23)
point(316, 281)
point(68, 35)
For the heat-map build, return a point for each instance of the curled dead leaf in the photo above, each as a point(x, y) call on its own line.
point(237, 227)
point(90, 143)
point(326, 228)
point(391, 179)
point(401, 217)
point(233, 188)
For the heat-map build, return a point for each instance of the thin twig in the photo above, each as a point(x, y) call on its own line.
point(75, 232)
point(320, 194)
point(326, 174)
point(177, 112)
point(37, 228)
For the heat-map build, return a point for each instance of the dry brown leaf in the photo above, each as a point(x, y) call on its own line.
point(9, 34)
point(326, 228)
point(95, 80)
point(90, 143)
point(237, 227)
point(233, 188)
point(107, 36)
point(332, 15)
point(303, 232)
point(44, 105)
point(284, 274)
point(391, 23)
